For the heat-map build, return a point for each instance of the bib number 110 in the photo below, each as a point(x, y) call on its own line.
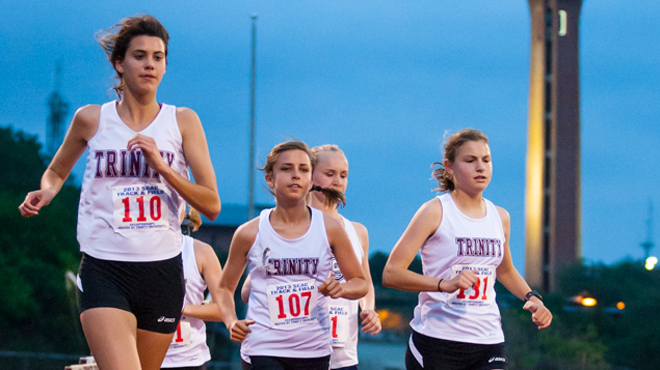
point(154, 209)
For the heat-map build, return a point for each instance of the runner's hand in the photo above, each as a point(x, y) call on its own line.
point(149, 150)
point(331, 287)
point(240, 329)
point(370, 322)
point(463, 280)
point(541, 316)
point(34, 201)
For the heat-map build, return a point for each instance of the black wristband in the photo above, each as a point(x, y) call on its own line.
point(533, 293)
point(440, 281)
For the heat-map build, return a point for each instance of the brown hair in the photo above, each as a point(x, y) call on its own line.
point(115, 44)
point(332, 196)
point(451, 148)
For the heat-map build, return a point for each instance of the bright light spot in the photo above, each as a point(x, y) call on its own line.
point(621, 305)
point(563, 22)
point(589, 302)
point(382, 314)
point(650, 263)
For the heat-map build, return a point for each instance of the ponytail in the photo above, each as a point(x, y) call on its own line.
point(332, 196)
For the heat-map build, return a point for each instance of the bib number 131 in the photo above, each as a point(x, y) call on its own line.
point(482, 294)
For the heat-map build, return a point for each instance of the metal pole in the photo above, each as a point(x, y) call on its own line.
point(251, 210)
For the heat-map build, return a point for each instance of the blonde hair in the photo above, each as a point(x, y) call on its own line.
point(451, 149)
point(337, 197)
point(194, 218)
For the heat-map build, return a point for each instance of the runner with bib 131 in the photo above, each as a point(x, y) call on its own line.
point(464, 244)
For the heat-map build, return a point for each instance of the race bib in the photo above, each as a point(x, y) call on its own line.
point(339, 312)
point(481, 295)
point(181, 336)
point(140, 207)
point(292, 303)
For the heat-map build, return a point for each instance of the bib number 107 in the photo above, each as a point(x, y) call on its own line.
point(154, 209)
point(294, 305)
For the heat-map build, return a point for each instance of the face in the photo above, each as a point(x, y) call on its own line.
point(472, 168)
point(144, 64)
point(291, 176)
point(331, 171)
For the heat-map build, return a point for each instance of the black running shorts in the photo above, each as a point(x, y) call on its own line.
point(439, 354)
point(152, 291)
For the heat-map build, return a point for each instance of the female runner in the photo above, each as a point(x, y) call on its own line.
point(464, 243)
point(331, 171)
point(201, 268)
point(134, 186)
point(289, 252)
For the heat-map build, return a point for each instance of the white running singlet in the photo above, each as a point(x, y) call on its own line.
point(127, 212)
point(461, 243)
point(344, 313)
point(291, 316)
point(188, 347)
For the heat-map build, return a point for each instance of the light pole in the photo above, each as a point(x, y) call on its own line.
point(251, 210)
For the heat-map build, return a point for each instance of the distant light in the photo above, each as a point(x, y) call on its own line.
point(383, 314)
point(650, 263)
point(621, 305)
point(589, 302)
point(563, 23)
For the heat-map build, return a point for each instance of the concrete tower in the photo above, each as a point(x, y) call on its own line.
point(552, 204)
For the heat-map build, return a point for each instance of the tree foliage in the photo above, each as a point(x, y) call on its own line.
point(36, 312)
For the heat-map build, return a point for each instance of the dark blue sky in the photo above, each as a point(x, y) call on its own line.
point(385, 80)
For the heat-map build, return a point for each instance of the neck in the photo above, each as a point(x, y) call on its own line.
point(290, 213)
point(466, 200)
point(138, 111)
point(320, 205)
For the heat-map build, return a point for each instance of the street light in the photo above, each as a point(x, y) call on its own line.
point(650, 263)
point(588, 301)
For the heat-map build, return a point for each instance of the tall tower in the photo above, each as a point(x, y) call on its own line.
point(58, 110)
point(552, 204)
point(648, 244)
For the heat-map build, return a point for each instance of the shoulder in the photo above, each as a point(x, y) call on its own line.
point(360, 229)
point(247, 233)
point(89, 112)
point(427, 219)
point(201, 248)
point(204, 254)
point(431, 207)
point(187, 117)
point(505, 217)
point(86, 120)
point(504, 214)
point(330, 222)
point(189, 124)
point(185, 114)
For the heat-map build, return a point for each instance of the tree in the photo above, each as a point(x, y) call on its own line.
point(35, 311)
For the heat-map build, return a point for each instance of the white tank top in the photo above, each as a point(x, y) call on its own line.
point(344, 313)
point(291, 316)
point(461, 242)
point(127, 212)
point(188, 347)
